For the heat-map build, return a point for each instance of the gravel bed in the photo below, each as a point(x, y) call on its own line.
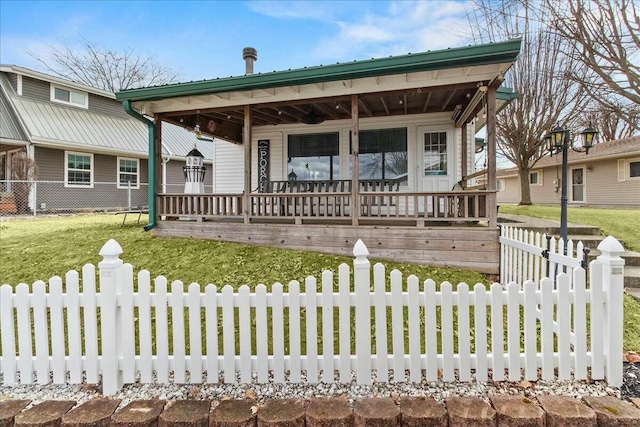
point(261, 392)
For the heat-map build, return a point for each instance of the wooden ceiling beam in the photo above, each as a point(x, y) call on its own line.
point(447, 100)
point(384, 105)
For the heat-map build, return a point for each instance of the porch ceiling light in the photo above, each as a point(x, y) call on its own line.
point(312, 118)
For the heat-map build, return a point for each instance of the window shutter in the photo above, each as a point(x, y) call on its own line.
point(622, 176)
point(540, 175)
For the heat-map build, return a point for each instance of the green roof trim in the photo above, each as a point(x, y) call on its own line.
point(426, 61)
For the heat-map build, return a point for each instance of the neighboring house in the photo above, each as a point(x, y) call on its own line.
point(89, 152)
point(326, 155)
point(609, 176)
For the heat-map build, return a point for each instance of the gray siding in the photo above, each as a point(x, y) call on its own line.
point(604, 189)
point(601, 185)
point(103, 196)
point(13, 79)
point(36, 89)
point(175, 176)
point(101, 105)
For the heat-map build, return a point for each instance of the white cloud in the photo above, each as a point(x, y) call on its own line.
point(401, 27)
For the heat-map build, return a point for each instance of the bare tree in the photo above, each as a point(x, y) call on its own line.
point(611, 125)
point(546, 95)
point(106, 69)
point(24, 171)
point(607, 36)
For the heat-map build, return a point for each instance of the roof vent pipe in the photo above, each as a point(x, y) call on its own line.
point(249, 55)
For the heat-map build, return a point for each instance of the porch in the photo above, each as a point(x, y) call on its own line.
point(298, 207)
point(441, 229)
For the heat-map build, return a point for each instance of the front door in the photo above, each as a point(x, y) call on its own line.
point(577, 185)
point(436, 165)
point(436, 162)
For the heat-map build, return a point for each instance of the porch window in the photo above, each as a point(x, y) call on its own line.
point(382, 154)
point(435, 153)
point(78, 170)
point(314, 156)
point(128, 173)
point(68, 96)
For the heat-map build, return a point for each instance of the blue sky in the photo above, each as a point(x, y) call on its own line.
point(204, 39)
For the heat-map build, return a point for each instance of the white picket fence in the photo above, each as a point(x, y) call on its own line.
point(527, 255)
point(378, 331)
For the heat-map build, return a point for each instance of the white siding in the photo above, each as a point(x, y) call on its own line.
point(229, 167)
point(229, 162)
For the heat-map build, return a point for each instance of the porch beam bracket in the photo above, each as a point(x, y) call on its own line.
point(470, 110)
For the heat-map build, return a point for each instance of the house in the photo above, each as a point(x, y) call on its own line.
point(609, 176)
point(89, 152)
point(322, 156)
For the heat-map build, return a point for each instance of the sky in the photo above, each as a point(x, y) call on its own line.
point(204, 39)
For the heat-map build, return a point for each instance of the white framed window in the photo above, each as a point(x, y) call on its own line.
point(500, 185)
point(128, 173)
point(78, 169)
point(68, 96)
point(629, 169)
point(535, 178)
point(435, 153)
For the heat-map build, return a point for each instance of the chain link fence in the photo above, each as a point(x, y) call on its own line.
point(33, 198)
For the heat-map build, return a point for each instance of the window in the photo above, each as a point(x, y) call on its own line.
point(314, 156)
point(634, 169)
point(535, 178)
point(128, 173)
point(435, 153)
point(78, 170)
point(500, 185)
point(382, 154)
point(3, 166)
point(69, 96)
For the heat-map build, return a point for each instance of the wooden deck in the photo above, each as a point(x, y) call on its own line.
point(445, 229)
point(469, 247)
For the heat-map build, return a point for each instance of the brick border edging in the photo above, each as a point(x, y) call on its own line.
point(332, 411)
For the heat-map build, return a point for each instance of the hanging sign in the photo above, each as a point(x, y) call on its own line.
point(263, 165)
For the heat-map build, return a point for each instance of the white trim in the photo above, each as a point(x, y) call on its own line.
point(66, 170)
point(137, 174)
point(538, 174)
point(57, 80)
point(627, 168)
point(584, 184)
point(53, 98)
point(19, 84)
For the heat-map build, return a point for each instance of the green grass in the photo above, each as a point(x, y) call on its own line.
point(622, 224)
point(33, 250)
point(38, 249)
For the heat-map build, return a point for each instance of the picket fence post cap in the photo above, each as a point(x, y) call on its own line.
point(111, 250)
point(610, 247)
point(360, 250)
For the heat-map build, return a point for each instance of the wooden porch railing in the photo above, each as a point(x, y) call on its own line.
point(419, 207)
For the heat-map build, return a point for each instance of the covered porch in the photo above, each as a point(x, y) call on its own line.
point(371, 148)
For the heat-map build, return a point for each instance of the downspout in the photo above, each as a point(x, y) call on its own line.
point(151, 165)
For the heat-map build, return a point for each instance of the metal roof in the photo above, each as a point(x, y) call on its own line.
point(47, 123)
point(10, 129)
point(425, 61)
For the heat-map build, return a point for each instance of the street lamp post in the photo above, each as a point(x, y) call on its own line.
point(559, 140)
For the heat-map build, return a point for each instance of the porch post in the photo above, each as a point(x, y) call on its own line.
point(491, 155)
point(464, 171)
point(246, 140)
point(157, 168)
point(355, 148)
